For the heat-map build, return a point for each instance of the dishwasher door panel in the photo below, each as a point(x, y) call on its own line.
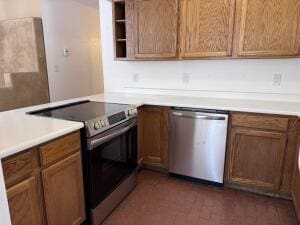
point(198, 144)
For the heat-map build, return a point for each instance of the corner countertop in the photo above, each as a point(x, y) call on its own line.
point(20, 131)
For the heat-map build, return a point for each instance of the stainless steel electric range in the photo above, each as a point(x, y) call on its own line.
point(109, 152)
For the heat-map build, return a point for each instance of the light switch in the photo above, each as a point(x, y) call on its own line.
point(66, 52)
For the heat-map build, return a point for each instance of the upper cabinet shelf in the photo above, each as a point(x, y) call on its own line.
point(195, 29)
point(123, 22)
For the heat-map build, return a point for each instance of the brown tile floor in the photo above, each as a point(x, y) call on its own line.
point(162, 200)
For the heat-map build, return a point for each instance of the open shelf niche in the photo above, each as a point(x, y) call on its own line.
point(119, 14)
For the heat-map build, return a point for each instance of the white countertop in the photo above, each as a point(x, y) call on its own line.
point(242, 105)
point(20, 131)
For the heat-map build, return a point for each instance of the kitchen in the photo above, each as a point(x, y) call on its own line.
point(164, 112)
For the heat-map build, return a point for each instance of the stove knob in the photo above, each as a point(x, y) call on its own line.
point(103, 123)
point(132, 112)
point(97, 126)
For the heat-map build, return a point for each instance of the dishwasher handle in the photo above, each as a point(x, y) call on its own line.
point(198, 116)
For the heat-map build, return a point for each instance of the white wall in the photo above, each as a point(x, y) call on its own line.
point(222, 78)
point(73, 25)
point(11, 9)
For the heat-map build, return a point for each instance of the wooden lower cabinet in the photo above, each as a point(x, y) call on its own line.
point(140, 155)
point(296, 182)
point(63, 190)
point(261, 150)
point(45, 184)
point(26, 202)
point(154, 139)
point(256, 158)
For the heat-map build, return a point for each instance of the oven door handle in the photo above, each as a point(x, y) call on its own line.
point(96, 142)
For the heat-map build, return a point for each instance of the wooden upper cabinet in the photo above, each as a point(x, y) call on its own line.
point(206, 28)
point(156, 28)
point(267, 28)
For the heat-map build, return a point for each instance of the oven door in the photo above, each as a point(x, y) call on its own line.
point(112, 157)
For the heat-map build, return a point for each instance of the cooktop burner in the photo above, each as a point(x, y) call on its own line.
point(97, 116)
point(82, 111)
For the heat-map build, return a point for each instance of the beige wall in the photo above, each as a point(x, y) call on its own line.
point(73, 25)
point(11, 9)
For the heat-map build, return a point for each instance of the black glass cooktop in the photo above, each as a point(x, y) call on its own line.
point(81, 111)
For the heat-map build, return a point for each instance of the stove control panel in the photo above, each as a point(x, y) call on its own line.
point(101, 124)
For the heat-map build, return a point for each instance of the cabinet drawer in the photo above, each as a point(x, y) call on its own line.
point(260, 121)
point(19, 167)
point(59, 148)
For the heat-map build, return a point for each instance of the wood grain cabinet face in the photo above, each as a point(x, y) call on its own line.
point(58, 185)
point(155, 136)
point(63, 191)
point(256, 158)
point(267, 27)
point(25, 202)
point(24, 188)
point(156, 28)
point(296, 182)
point(206, 28)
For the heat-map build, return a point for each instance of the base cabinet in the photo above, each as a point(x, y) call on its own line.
point(256, 158)
point(261, 149)
point(45, 184)
point(64, 205)
point(296, 181)
point(154, 136)
point(25, 202)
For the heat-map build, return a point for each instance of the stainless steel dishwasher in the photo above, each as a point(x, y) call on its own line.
point(198, 143)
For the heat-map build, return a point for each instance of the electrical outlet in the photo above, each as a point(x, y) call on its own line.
point(185, 78)
point(277, 78)
point(135, 77)
point(7, 80)
point(56, 68)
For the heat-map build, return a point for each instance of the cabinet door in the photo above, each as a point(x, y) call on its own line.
point(206, 28)
point(256, 158)
point(140, 136)
point(267, 27)
point(156, 28)
point(26, 202)
point(155, 136)
point(296, 184)
point(63, 190)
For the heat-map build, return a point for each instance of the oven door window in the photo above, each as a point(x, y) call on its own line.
point(111, 163)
